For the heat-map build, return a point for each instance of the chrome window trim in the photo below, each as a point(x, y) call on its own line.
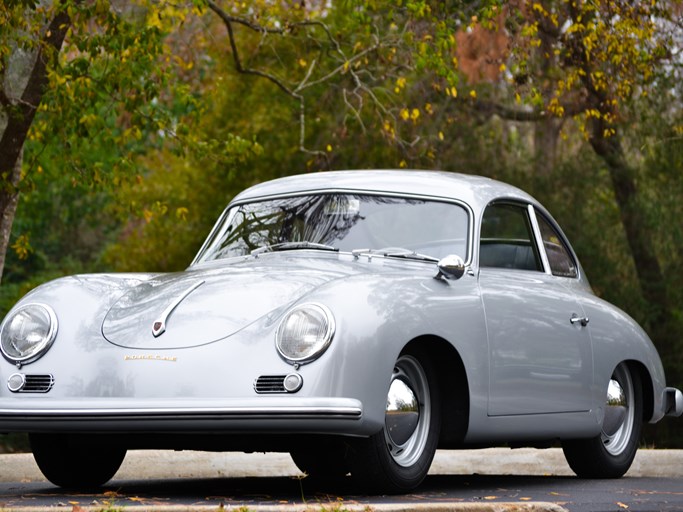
point(222, 220)
point(523, 205)
point(536, 228)
point(563, 239)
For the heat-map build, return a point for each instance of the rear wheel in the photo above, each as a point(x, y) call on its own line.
point(610, 454)
point(75, 461)
point(397, 458)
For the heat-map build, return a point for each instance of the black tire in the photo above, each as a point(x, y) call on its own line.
point(610, 454)
point(396, 460)
point(74, 461)
point(324, 459)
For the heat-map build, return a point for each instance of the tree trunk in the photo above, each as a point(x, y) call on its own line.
point(639, 237)
point(546, 134)
point(20, 109)
point(9, 201)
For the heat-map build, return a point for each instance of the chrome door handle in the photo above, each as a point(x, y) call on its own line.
point(575, 319)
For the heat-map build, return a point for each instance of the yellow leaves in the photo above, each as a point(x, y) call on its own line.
point(400, 84)
point(555, 108)
point(154, 20)
point(441, 137)
point(165, 15)
point(537, 7)
point(133, 132)
point(389, 129)
point(22, 247)
point(452, 92)
point(181, 213)
point(429, 109)
point(328, 148)
point(622, 505)
point(410, 114)
point(473, 94)
point(403, 164)
point(158, 209)
point(599, 80)
point(88, 119)
point(592, 112)
point(303, 63)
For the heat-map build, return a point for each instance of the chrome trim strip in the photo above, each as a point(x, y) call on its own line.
point(536, 228)
point(159, 325)
point(66, 414)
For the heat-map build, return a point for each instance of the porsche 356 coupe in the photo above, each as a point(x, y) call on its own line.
point(358, 320)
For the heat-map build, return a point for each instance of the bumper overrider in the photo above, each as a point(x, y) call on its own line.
point(312, 415)
point(673, 402)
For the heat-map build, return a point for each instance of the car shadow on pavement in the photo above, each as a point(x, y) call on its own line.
point(253, 491)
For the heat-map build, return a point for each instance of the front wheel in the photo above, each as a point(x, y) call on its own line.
point(76, 462)
point(398, 457)
point(610, 454)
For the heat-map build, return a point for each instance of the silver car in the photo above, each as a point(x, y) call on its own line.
point(358, 320)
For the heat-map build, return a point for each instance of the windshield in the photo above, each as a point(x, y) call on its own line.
point(344, 222)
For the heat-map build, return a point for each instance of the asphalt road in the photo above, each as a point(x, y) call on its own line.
point(472, 480)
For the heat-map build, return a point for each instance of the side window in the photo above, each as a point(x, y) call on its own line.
point(506, 238)
point(559, 257)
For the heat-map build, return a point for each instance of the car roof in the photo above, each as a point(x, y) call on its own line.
point(477, 191)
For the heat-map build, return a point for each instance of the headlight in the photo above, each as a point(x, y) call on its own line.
point(27, 333)
point(305, 333)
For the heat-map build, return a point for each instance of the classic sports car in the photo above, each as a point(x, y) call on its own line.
point(358, 320)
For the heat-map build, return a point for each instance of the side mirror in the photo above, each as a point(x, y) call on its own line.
point(451, 267)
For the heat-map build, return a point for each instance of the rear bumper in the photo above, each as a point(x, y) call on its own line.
point(673, 402)
point(325, 416)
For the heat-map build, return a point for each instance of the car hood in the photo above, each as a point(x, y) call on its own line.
point(202, 306)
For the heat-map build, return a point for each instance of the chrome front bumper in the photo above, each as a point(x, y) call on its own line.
point(333, 415)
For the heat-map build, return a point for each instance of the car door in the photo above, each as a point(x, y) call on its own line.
point(540, 354)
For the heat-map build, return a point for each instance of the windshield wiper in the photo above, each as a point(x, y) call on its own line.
point(395, 252)
point(291, 246)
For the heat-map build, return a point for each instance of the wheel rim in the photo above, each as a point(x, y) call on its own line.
point(619, 412)
point(408, 412)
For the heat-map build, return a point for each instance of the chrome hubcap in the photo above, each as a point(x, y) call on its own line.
point(408, 412)
point(402, 414)
point(619, 414)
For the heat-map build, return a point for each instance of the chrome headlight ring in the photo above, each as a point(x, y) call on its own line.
point(28, 332)
point(304, 333)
